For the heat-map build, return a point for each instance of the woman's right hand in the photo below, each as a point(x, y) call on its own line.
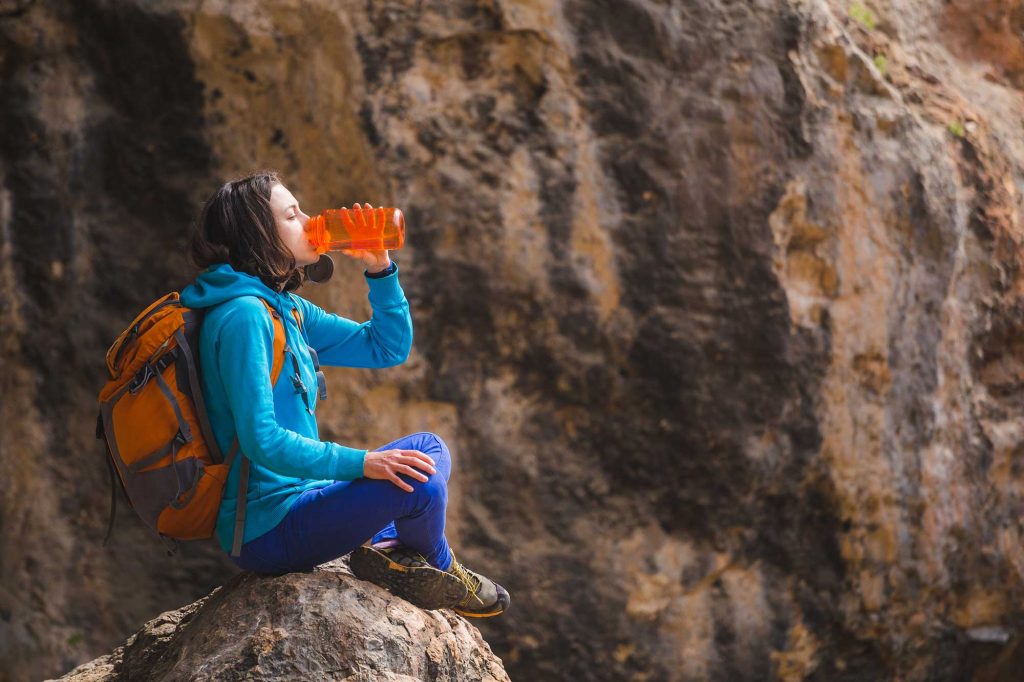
point(387, 464)
point(374, 260)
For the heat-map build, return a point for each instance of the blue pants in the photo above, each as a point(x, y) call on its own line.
point(329, 522)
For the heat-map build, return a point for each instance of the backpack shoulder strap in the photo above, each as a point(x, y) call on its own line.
point(279, 343)
point(299, 318)
point(297, 312)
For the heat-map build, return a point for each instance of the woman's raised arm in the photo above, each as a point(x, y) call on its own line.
point(383, 341)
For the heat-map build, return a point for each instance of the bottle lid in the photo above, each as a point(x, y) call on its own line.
point(320, 271)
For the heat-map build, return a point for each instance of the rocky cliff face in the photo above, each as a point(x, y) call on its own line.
point(323, 625)
point(717, 303)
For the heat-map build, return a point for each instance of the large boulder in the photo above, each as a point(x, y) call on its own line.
point(321, 625)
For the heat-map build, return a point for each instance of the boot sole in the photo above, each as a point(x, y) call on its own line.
point(423, 586)
point(470, 614)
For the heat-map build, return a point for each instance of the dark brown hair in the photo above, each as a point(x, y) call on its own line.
point(236, 226)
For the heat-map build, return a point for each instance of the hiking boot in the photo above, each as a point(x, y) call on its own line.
point(484, 597)
point(406, 573)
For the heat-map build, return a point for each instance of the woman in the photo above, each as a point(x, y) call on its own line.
point(310, 501)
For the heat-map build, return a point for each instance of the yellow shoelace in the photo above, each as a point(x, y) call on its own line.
point(471, 582)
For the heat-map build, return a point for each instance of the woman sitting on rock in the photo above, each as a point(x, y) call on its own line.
point(310, 501)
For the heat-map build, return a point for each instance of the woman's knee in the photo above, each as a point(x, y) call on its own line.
point(435, 488)
point(434, 446)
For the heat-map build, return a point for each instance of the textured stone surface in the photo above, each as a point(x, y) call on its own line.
point(322, 625)
point(718, 304)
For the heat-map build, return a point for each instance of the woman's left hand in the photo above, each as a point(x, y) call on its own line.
point(375, 261)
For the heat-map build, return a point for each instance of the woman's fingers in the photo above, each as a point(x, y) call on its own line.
point(353, 219)
point(418, 455)
point(358, 254)
point(399, 482)
point(409, 471)
point(420, 463)
point(389, 464)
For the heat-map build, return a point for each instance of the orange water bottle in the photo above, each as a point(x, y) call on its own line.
point(375, 229)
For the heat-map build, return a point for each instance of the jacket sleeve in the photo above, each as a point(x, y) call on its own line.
point(383, 341)
point(245, 348)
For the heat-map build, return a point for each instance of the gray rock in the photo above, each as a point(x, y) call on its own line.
point(322, 625)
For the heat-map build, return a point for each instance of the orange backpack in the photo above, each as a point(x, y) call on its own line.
point(153, 419)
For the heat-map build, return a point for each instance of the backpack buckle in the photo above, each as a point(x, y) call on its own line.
point(140, 379)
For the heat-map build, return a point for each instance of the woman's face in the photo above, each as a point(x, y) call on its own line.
point(291, 225)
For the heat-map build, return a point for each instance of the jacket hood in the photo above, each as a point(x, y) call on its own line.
point(221, 282)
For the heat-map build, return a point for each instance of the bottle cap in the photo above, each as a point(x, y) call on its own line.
point(320, 271)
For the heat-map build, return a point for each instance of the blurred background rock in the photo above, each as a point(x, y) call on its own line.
point(718, 303)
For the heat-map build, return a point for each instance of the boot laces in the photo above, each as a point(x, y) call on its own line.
point(468, 578)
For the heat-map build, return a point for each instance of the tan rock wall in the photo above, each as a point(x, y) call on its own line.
point(716, 302)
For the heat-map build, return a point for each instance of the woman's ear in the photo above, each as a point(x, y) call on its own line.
point(320, 271)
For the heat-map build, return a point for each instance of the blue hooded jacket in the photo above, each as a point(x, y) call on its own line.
point(274, 428)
